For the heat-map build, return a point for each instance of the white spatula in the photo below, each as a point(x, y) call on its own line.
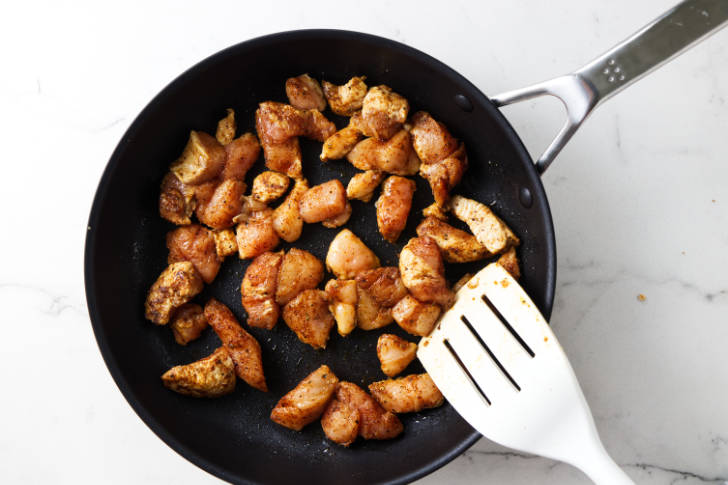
point(498, 363)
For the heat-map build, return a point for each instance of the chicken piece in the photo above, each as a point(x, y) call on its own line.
point(284, 157)
point(323, 201)
point(343, 298)
point(317, 126)
point(202, 159)
point(383, 284)
point(340, 422)
point(457, 246)
point(287, 220)
point(300, 270)
point(375, 423)
point(431, 139)
point(188, 323)
point(409, 394)
point(340, 143)
point(309, 317)
point(176, 200)
point(268, 186)
point(434, 210)
point(487, 227)
point(226, 203)
point(362, 185)
point(509, 261)
point(347, 99)
point(357, 122)
point(225, 243)
point(340, 220)
point(203, 193)
point(304, 92)
point(241, 154)
point(444, 175)
point(258, 290)
point(394, 156)
point(348, 255)
point(306, 402)
point(279, 122)
point(195, 244)
point(243, 347)
point(370, 315)
point(226, 128)
point(177, 284)
point(213, 376)
point(423, 272)
point(394, 353)
point(393, 206)
point(414, 316)
point(255, 234)
point(384, 111)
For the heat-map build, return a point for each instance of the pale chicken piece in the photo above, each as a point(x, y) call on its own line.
point(323, 201)
point(195, 244)
point(202, 159)
point(225, 243)
point(226, 128)
point(226, 203)
point(176, 200)
point(304, 92)
point(348, 255)
point(434, 210)
point(268, 186)
point(394, 155)
point(509, 261)
point(487, 227)
point(241, 154)
point(243, 347)
point(409, 394)
point(415, 317)
point(284, 157)
point(371, 315)
point(258, 290)
point(393, 206)
point(255, 234)
point(188, 323)
point(309, 317)
point(340, 143)
point(457, 246)
point(394, 353)
point(306, 402)
point(362, 185)
point(287, 220)
point(300, 270)
point(461, 282)
point(279, 122)
point(384, 111)
point(423, 271)
point(340, 422)
point(340, 220)
point(444, 175)
point(342, 304)
point(431, 139)
point(347, 99)
point(213, 376)
point(375, 422)
point(383, 284)
point(177, 285)
point(317, 126)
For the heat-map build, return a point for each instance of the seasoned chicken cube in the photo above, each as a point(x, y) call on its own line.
point(243, 347)
point(202, 159)
point(407, 394)
point(258, 290)
point(394, 353)
point(370, 315)
point(242, 152)
point(176, 200)
point(287, 220)
point(362, 185)
point(188, 323)
point(414, 316)
point(225, 203)
point(177, 284)
point(461, 282)
point(340, 422)
point(340, 143)
point(268, 186)
point(284, 157)
point(225, 243)
point(384, 111)
point(375, 422)
point(323, 201)
point(444, 175)
point(317, 126)
point(487, 227)
point(213, 376)
point(340, 220)
point(509, 261)
point(279, 122)
point(306, 402)
point(347, 99)
point(431, 139)
point(309, 317)
point(383, 284)
point(423, 272)
point(300, 270)
point(255, 234)
point(394, 155)
point(195, 244)
point(226, 128)
point(457, 246)
point(434, 210)
point(304, 92)
point(393, 206)
point(343, 299)
point(348, 255)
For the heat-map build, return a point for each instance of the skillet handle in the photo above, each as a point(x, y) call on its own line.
point(666, 37)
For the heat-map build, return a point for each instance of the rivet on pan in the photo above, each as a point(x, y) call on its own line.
point(524, 195)
point(463, 103)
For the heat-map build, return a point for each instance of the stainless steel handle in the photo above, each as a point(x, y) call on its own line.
point(658, 42)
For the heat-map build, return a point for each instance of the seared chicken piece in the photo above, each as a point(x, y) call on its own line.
point(431, 139)
point(457, 246)
point(300, 270)
point(393, 206)
point(487, 227)
point(242, 152)
point(394, 156)
point(342, 304)
point(309, 317)
point(445, 174)
point(384, 111)
point(407, 394)
point(279, 122)
point(268, 186)
point(176, 200)
point(306, 402)
point(202, 159)
point(434, 210)
point(394, 353)
point(340, 143)
point(461, 282)
point(255, 234)
point(284, 157)
point(347, 99)
point(348, 255)
point(340, 422)
point(243, 347)
point(304, 92)
point(375, 423)
point(340, 220)
point(383, 284)
point(423, 272)
point(195, 244)
point(322, 202)
point(258, 290)
point(362, 185)
point(225, 243)
point(213, 376)
point(225, 203)
point(177, 284)
point(370, 314)
point(287, 220)
point(317, 126)
point(509, 260)
point(414, 316)
point(226, 128)
point(188, 323)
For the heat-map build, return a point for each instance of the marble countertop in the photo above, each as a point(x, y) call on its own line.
point(639, 200)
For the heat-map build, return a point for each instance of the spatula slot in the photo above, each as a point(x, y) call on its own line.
point(487, 349)
point(508, 325)
point(465, 370)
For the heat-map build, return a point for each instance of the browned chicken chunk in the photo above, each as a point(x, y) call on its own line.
point(225, 243)
point(509, 260)
point(300, 270)
point(444, 175)
point(348, 255)
point(457, 246)
point(322, 202)
point(284, 157)
point(255, 234)
point(278, 122)
point(195, 244)
point(431, 139)
point(304, 92)
point(394, 155)
point(226, 128)
point(309, 317)
point(371, 315)
point(407, 394)
point(383, 284)
point(340, 422)
point(213, 376)
point(393, 206)
point(177, 284)
point(394, 353)
point(342, 304)
point(340, 143)
point(225, 203)
point(268, 186)
point(306, 402)
point(258, 290)
point(414, 316)
point(317, 126)
point(423, 271)
point(487, 227)
point(375, 423)
point(384, 111)
point(202, 159)
point(434, 210)
point(188, 323)
point(340, 220)
point(347, 99)
point(176, 200)
point(242, 152)
point(362, 185)
point(287, 220)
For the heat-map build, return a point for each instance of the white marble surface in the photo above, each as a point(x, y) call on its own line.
point(639, 198)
